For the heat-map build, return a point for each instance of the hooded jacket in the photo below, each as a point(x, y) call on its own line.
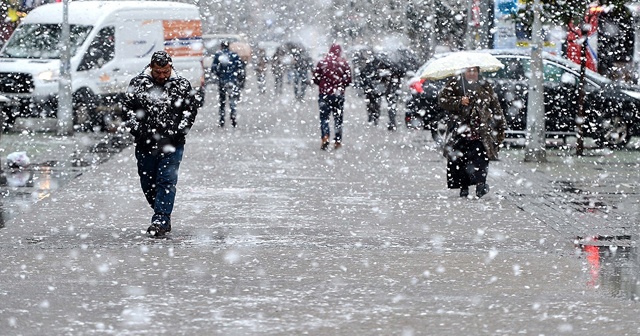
point(332, 74)
point(160, 114)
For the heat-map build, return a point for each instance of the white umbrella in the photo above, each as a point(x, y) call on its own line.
point(455, 63)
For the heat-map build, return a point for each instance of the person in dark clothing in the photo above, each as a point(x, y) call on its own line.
point(260, 67)
point(392, 77)
point(372, 86)
point(476, 132)
point(302, 64)
point(332, 75)
point(278, 67)
point(161, 108)
point(230, 71)
point(380, 79)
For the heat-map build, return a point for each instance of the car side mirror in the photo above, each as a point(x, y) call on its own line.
point(569, 79)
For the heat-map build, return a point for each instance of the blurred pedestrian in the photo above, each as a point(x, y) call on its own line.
point(476, 131)
point(278, 67)
point(332, 75)
point(260, 67)
point(230, 71)
point(372, 85)
point(392, 77)
point(302, 64)
point(161, 108)
point(380, 78)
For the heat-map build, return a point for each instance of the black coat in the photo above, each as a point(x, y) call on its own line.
point(160, 115)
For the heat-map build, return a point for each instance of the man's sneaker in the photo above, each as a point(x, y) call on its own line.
point(337, 145)
point(234, 124)
point(221, 123)
point(157, 230)
point(482, 189)
point(392, 127)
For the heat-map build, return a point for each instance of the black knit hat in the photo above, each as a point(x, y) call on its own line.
point(161, 58)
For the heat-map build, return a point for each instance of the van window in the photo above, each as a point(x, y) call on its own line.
point(42, 41)
point(101, 50)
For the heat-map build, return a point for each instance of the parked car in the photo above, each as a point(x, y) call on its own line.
point(612, 110)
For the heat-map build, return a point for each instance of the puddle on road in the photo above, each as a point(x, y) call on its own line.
point(613, 265)
point(20, 189)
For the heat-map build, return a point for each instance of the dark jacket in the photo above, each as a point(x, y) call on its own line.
point(380, 78)
point(160, 115)
point(332, 74)
point(484, 105)
point(228, 67)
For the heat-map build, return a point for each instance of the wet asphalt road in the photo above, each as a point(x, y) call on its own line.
point(53, 161)
point(273, 236)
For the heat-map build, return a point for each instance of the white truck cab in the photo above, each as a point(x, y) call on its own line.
point(111, 42)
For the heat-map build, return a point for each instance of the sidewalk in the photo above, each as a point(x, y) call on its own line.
point(272, 236)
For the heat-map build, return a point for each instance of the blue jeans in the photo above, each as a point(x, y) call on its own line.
point(331, 105)
point(158, 178)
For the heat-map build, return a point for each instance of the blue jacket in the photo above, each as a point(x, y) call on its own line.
point(228, 67)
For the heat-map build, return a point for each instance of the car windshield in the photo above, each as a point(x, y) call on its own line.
point(42, 41)
point(594, 76)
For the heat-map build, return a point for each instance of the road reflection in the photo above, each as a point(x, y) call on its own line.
point(23, 188)
point(613, 268)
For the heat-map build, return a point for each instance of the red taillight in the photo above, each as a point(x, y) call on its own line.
point(417, 86)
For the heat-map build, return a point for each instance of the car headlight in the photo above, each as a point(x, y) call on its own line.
point(49, 75)
point(633, 94)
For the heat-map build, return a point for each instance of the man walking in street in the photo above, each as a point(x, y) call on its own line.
point(332, 75)
point(230, 70)
point(161, 107)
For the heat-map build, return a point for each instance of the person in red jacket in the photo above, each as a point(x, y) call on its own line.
point(332, 75)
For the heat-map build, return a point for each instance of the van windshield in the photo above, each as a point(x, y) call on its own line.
point(42, 41)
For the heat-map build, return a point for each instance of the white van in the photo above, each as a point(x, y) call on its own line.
point(111, 42)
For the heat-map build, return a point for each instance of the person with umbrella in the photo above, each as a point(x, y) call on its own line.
point(477, 129)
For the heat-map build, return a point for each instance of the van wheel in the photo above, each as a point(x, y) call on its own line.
point(614, 133)
point(85, 105)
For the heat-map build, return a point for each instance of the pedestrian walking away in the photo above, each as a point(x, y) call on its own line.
point(476, 131)
point(380, 79)
point(278, 67)
point(302, 64)
point(260, 67)
point(161, 108)
point(332, 75)
point(230, 71)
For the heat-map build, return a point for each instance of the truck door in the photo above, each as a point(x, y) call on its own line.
point(136, 40)
point(97, 64)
